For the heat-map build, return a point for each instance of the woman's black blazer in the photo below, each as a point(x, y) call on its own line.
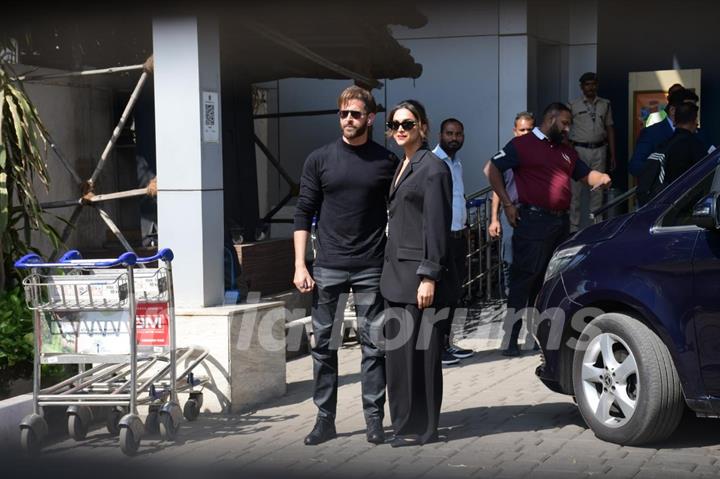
point(419, 221)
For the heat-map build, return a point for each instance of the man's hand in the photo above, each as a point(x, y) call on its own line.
point(601, 181)
point(152, 187)
point(302, 280)
point(426, 293)
point(494, 229)
point(612, 163)
point(512, 214)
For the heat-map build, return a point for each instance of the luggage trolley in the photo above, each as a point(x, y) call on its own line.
point(121, 320)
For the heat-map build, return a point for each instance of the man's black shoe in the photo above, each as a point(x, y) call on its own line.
point(460, 353)
point(511, 351)
point(375, 432)
point(399, 441)
point(448, 359)
point(324, 430)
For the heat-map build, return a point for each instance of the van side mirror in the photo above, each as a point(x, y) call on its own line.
point(706, 213)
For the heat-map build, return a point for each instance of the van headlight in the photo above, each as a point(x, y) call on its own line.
point(563, 259)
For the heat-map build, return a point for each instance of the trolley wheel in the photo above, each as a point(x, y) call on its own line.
point(129, 444)
point(191, 409)
point(113, 420)
point(30, 442)
point(168, 428)
point(76, 427)
point(152, 422)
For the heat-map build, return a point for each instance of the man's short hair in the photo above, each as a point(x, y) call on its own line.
point(682, 95)
point(554, 108)
point(686, 113)
point(675, 87)
point(588, 76)
point(524, 115)
point(356, 93)
point(451, 120)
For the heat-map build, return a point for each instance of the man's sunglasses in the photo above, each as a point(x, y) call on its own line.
point(353, 113)
point(406, 125)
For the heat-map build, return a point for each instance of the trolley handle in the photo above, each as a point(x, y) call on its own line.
point(72, 259)
point(164, 254)
point(475, 202)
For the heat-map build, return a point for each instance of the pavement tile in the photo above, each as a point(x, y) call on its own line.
point(498, 420)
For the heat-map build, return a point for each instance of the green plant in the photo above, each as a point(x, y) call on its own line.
point(16, 329)
point(22, 143)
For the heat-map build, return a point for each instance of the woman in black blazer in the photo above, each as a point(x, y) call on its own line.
point(414, 278)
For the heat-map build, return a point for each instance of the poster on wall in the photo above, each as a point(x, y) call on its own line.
point(649, 108)
point(647, 99)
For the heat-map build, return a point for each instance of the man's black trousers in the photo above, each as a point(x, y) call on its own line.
point(327, 318)
point(535, 238)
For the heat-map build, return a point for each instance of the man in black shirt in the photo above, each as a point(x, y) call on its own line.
point(345, 185)
point(684, 148)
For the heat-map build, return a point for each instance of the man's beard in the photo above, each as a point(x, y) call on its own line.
point(556, 135)
point(451, 147)
point(356, 133)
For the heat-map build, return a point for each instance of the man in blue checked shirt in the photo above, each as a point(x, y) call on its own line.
point(452, 136)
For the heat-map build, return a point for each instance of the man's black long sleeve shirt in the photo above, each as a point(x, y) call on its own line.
point(346, 187)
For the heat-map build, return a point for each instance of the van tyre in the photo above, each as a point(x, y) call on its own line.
point(627, 389)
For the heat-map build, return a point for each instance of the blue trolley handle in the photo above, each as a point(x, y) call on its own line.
point(164, 254)
point(475, 202)
point(69, 260)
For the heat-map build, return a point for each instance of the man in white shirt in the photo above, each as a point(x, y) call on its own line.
point(452, 136)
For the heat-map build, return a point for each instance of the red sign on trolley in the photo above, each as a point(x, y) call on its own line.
point(152, 324)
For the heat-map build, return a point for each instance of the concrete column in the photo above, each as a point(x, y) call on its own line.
point(189, 155)
point(582, 48)
point(513, 66)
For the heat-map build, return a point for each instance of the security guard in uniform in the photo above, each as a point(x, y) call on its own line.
point(593, 136)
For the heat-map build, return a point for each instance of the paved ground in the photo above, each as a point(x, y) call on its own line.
point(497, 421)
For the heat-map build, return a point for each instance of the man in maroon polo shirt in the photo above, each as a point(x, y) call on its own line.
point(543, 165)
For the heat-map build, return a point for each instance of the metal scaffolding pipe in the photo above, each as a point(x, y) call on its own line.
point(113, 227)
point(268, 154)
point(101, 71)
point(118, 129)
point(302, 50)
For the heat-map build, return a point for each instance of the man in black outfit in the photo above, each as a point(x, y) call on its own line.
point(345, 184)
point(684, 148)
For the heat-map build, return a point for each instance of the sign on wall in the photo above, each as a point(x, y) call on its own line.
point(210, 117)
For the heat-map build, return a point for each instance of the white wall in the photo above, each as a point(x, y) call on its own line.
point(483, 62)
point(474, 57)
point(462, 84)
point(563, 47)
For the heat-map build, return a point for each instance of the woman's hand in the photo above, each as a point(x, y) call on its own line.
point(426, 293)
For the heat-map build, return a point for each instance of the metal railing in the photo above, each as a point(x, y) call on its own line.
point(483, 261)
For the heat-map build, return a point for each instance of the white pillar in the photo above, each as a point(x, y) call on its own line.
point(189, 155)
point(513, 66)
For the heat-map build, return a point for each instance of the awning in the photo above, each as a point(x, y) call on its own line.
point(264, 40)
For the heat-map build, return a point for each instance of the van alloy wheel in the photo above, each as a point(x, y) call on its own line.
point(610, 379)
point(625, 382)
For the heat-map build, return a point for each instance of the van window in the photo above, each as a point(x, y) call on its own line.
point(681, 213)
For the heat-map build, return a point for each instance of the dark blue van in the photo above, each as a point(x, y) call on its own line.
point(630, 313)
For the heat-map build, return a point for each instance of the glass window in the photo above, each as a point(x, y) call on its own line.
point(681, 213)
